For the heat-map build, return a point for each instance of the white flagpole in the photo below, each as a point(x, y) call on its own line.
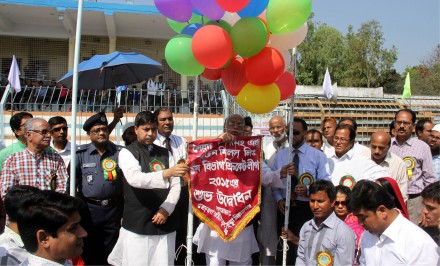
point(189, 229)
point(289, 177)
point(74, 97)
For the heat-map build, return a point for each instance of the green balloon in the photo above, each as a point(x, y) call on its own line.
point(249, 36)
point(180, 58)
point(179, 26)
point(287, 15)
point(222, 24)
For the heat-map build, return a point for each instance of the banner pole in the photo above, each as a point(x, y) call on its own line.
point(289, 177)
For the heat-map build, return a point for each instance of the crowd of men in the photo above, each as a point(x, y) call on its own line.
point(131, 204)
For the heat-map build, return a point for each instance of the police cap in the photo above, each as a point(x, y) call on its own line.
point(96, 119)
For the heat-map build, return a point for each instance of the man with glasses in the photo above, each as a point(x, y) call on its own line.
point(99, 183)
point(35, 166)
point(418, 160)
point(348, 167)
point(60, 143)
point(434, 144)
point(310, 165)
point(17, 123)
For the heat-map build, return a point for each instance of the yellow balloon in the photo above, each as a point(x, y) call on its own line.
point(259, 99)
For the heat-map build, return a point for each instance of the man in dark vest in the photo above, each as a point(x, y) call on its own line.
point(151, 190)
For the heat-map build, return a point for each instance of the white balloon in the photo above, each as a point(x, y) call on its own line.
point(231, 18)
point(287, 56)
point(288, 40)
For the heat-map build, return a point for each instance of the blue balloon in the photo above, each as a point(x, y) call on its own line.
point(253, 9)
point(191, 29)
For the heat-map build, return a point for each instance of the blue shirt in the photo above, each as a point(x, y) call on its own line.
point(436, 165)
point(311, 162)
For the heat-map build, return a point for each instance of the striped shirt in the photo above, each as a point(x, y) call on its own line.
point(395, 165)
point(23, 168)
point(418, 160)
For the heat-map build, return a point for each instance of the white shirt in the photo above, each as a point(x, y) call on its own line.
point(178, 146)
point(357, 148)
point(356, 166)
point(136, 178)
point(402, 243)
point(395, 165)
point(151, 87)
point(65, 154)
point(12, 251)
point(38, 261)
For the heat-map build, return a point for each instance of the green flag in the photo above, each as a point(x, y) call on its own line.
point(406, 88)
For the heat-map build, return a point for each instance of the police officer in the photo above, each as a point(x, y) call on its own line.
point(99, 184)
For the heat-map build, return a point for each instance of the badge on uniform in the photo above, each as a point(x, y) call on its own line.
point(109, 167)
point(89, 178)
point(156, 165)
point(324, 258)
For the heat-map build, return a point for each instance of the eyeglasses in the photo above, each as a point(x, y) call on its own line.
point(342, 202)
point(296, 133)
point(96, 131)
point(342, 140)
point(43, 132)
point(58, 129)
point(404, 123)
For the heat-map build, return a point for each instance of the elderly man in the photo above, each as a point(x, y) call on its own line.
point(357, 147)
point(418, 160)
point(389, 238)
point(99, 183)
point(346, 166)
point(380, 153)
point(17, 123)
point(310, 165)
point(434, 144)
point(423, 129)
point(35, 165)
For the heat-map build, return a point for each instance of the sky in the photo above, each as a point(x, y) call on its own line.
point(413, 26)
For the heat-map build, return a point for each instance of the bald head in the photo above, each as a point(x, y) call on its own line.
point(379, 144)
point(234, 125)
point(277, 128)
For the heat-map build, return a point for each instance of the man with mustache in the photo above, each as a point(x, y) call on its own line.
point(35, 166)
point(328, 127)
point(380, 153)
point(99, 184)
point(418, 160)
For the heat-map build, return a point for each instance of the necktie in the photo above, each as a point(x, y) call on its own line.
point(168, 144)
point(296, 163)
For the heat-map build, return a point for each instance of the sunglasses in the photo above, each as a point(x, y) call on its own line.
point(43, 132)
point(343, 202)
point(57, 129)
point(296, 133)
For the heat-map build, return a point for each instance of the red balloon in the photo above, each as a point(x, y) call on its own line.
point(287, 85)
point(211, 46)
point(212, 74)
point(232, 5)
point(265, 67)
point(234, 76)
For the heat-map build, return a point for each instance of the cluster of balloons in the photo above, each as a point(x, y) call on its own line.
point(245, 43)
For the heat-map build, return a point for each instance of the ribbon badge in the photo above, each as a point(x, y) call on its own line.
point(156, 165)
point(348, 181)
point(306, 179)
point(324, 258)
point(410, 164)
point(109, 167)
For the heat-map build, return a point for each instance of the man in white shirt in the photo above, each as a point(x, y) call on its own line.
point(12, 251)
point(357, 147)
point(346, 166)
point(328, 127)
point(59, 132)
point(389, 238)
point(49, 226)
point(380, 144)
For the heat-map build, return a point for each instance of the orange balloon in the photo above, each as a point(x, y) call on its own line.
point(265, 67)
point(234, 76)
point(211, 46)
point(287, 85)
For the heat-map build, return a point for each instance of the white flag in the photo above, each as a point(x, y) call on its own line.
point(13, 77)
point(327, 85)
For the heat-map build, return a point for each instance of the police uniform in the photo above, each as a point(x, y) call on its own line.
point(99, 184)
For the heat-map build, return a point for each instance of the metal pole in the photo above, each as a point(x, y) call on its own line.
point(74, 98)
point(189, 229)
point(289, 177)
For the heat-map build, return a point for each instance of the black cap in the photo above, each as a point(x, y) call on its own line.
point(97, 119)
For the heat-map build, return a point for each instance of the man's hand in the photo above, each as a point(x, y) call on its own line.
point(118, 113)
point(160, 217)
point(300, 190)
point(282, 206)
point(423, 222)
point(226, 137)
point(291, 237)
point(288, 169)
point(178, 170)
